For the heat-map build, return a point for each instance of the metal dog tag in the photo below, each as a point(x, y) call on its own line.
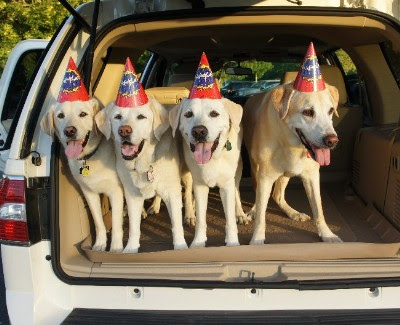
point(150, 174)
point(84, 170)
point(228, 145)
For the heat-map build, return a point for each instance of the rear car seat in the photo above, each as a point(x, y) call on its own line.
point(346, 125)
point(373, 150)
point(168, 96)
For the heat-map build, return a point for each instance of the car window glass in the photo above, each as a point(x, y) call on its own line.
point(261, 76)
point(142, 61)
point(393, 59)
point(352, 79)
point(23, 71)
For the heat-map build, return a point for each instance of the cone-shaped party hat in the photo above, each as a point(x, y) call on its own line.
point(309, 77)
point(204, 85)
point(130, 92)
point(72, 87)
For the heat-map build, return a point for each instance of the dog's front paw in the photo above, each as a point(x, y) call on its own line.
point(99, 247)
point(299, 217)
point(181, 246)
point(332, 239)
point(100, 243)
point(257, 240)
point(244, 219)
point(232, 243)
point(190, 220)
point(131, 248)
point(116, 247)
point(144, 214)
point(198, 243)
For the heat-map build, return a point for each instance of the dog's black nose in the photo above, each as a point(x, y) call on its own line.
point(124, 131)
point(199, 132)
point(331, 140)
point(70, 131)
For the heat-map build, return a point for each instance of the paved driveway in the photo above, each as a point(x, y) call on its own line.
point(3, 309)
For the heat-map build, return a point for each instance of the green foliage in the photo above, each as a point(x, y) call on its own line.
point(347, 64)
point(262, 70)
point(142, 61)
point(23, 19)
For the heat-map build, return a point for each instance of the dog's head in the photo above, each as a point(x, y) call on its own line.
point(205, 124)
point(133, 128)
point(73, 122)
point(309, 116)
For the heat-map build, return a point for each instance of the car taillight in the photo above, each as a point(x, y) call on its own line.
point(13, 224)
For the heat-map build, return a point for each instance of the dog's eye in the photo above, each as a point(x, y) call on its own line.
point(61, 115)
point(331, 111)
point(188, 114)
point(214, 114)
point(308, 112)
point(118, 116)
point(141, 117)
point(83, 114)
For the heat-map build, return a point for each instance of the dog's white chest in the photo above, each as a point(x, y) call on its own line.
point(144, 182)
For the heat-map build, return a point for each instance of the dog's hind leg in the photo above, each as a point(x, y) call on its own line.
point(312, 186)
point(279, 197)
point(93, 200)
point(241, 217)
point(190, 217)
point(155, 206)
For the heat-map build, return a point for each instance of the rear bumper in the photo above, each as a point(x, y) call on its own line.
point(347, 317)
point(35, 295)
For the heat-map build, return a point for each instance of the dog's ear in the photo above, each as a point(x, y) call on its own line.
point(175, 115)
point(47, 122)
point(235, 112)
point(94, 103)
point(103, 122)
point(160, 118)
point(335, 95)
point(281, 97)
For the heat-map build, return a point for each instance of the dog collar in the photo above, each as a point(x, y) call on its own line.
point(89, 155)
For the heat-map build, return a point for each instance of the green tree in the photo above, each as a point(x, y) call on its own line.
point(23, 19)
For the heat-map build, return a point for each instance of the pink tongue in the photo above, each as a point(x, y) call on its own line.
point(322, 155)
point(202, 152)
point(129, 149)
point(74, 149)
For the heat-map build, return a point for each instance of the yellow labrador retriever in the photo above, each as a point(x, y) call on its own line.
point(90, 156)
point(211, 129)
point(289, 133)
point(148, 161)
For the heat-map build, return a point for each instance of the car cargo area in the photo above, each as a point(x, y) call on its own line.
point(360, 190)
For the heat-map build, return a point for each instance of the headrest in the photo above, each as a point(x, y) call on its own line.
point(332, 76)
point(181, 80)
point(168, 95)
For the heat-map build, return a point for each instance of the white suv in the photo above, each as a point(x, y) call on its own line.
point(52, 275)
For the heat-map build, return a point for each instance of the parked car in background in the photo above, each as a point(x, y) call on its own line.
point(51, 273)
